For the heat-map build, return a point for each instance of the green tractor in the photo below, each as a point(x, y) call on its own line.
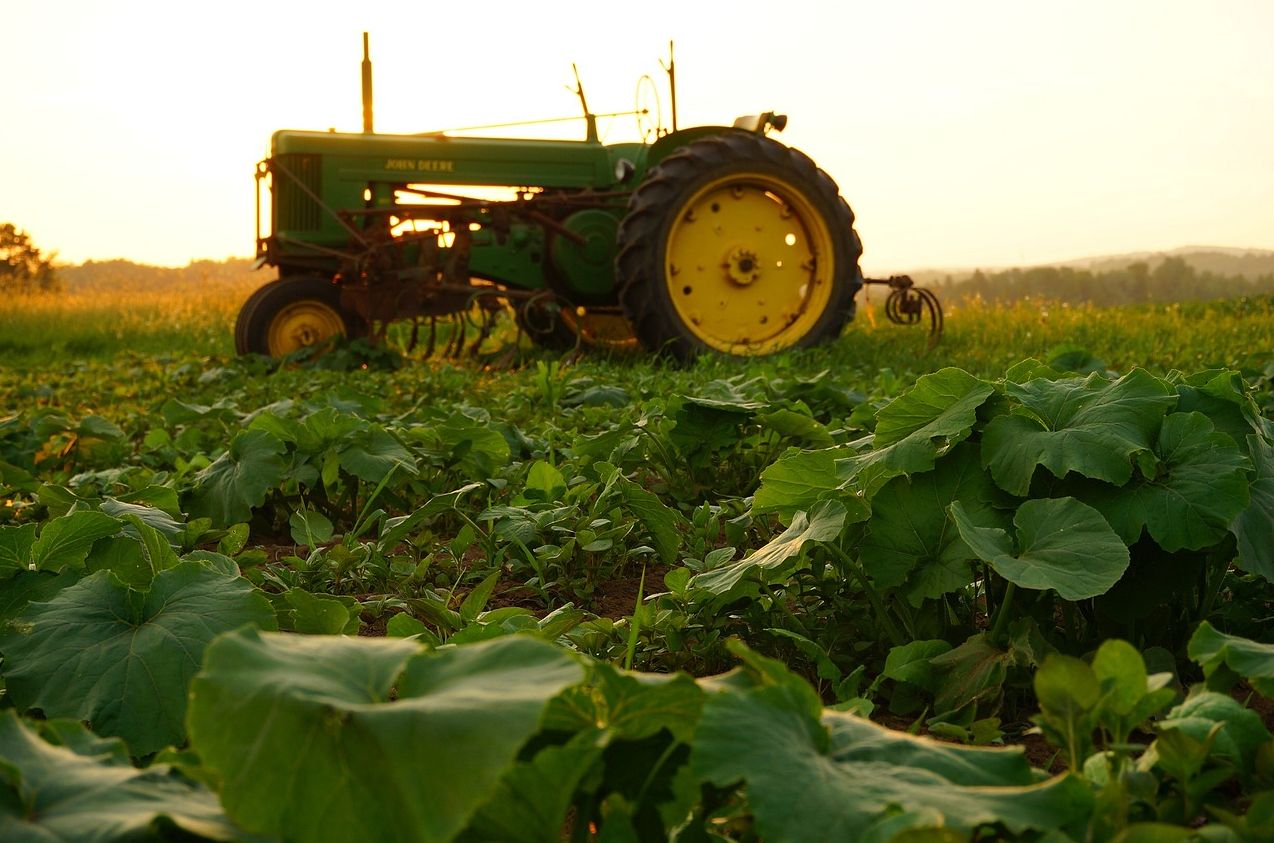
point(713, 238)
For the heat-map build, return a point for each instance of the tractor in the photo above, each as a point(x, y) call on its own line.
point(704, 239)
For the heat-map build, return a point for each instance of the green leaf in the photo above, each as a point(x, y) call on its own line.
point(940, 404)
point(319, 614)
point(476, 600)
point(80, 791)
point(808, 780)
point(628, 704)
point(1069, 693)
point(1063, 545)
point(26, 587)
point(911, 662)
point(912, 431)
point(65, 542)
point(374, 454)
point(1199, 488)
point(1089, 426)
point(772, 562)
point(120, 659)
point(15, 549)
point(235, 539)
point(400, 527)
point(403, 625)
point(799, 479)
point(1254, 527)
point(658, 518)
point(292, 722)
point(310, 528)
point(544, 483)
point(793, 425)
point(912, 533)
point(1239, 737)
point(151, 516)
point(531, 802)
point(1251, 660)
point(237, 482)
point(972, 674)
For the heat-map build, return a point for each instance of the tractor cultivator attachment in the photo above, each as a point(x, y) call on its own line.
point(706, 239)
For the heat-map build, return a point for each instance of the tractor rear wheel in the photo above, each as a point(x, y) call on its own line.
point(290, 314)
point(740, 245)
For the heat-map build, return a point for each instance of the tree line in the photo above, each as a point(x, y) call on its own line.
point(1172, 280)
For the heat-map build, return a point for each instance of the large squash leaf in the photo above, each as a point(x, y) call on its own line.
point(122, 659)
point(838, 778)
point(1089, 426)
point(292, 722)
point(776, 558)
point(911, 534)
point(1198, 487)
point(66, 541)
point(228, 490)
point(912, 431)
point(1254, 527)
point(86, 790)
point(1063, 544)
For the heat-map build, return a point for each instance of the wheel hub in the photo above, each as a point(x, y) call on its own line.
point(742, 266)
point(302, 324)
point(749, 264)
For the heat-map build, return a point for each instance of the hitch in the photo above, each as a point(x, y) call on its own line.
point(907, 304)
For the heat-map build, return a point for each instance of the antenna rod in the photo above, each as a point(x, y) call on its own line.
point(671, 69)
point(367, 87)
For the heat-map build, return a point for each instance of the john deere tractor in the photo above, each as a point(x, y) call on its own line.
point(706, 239)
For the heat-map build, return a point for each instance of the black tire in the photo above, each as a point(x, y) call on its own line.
point(252, 328)
point(663, 201)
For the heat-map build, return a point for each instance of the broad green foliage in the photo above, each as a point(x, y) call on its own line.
point(912, 534)
point(1089, 426)
point(1226, 657)
point(80, 788)
point(1188, 499)
point(776, 559)
point(312, 718)
point(227, 490)
point(65, 542)
point(1061, 544)
point(1254, 527)
point(796, 768)
point(122, 659)
point(923, 550)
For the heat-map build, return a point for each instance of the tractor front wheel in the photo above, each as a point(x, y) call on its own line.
point(740, 245)
point(289, 314)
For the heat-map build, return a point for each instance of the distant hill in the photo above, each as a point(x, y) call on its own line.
point(1248, 263)
point(1218, 260)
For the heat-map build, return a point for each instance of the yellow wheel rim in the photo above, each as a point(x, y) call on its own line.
point(301, 324)
point(600, 328)
point(749, 264)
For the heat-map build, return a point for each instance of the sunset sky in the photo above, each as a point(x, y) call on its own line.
point(975, 133)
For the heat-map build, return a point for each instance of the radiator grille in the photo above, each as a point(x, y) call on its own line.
point(294, 209)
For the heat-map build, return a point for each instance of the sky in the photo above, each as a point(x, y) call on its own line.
point(974, 133)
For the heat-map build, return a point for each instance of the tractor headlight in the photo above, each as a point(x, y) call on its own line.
point(624, 170)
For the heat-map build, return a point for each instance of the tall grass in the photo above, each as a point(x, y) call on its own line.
point(103, 321)
point(98, 322)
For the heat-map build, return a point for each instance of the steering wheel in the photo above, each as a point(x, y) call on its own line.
point(650, 118)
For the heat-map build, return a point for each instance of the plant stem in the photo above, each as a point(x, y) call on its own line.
point(872, 597)
point(1002, 614)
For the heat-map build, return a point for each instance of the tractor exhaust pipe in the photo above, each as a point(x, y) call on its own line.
point(367, 87)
